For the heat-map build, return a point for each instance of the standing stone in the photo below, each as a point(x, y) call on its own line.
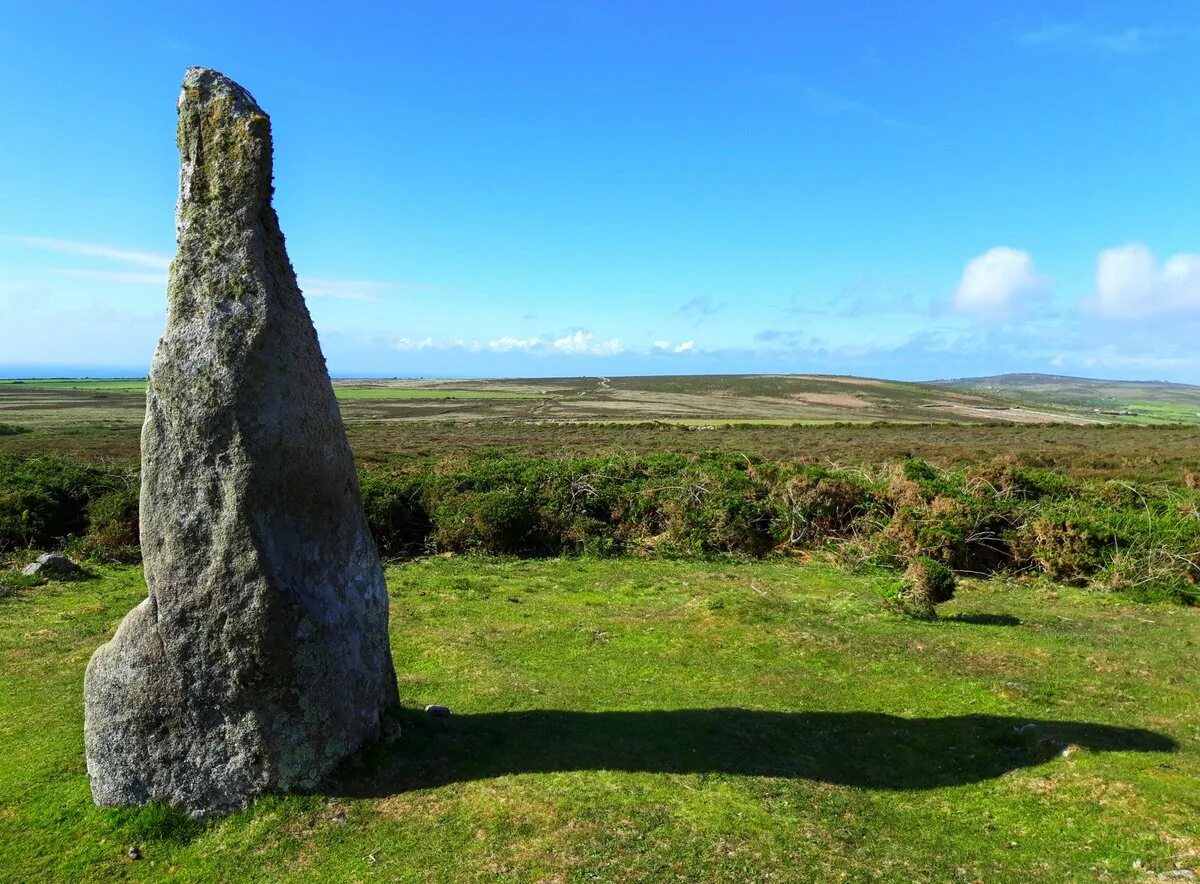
point(260, 658)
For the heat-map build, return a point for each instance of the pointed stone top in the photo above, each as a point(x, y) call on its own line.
point(204, 85)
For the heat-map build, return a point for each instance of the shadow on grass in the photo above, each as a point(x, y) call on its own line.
point(863, 749)
point(984, 619)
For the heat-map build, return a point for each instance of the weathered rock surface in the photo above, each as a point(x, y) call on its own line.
point(52, 565)
point(260, 658)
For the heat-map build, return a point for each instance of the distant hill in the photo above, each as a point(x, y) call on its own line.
point(698, 400)
point(1142, 401)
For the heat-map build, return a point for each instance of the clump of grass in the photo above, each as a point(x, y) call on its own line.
point(927, 584)
point(13, 581)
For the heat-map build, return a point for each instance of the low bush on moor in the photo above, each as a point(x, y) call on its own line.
point(902, 515)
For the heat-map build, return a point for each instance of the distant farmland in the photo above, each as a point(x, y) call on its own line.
point(692, 400)
point(816, 418)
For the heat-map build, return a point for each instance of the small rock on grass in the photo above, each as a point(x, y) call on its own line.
point(52, 565)
point(438, 711)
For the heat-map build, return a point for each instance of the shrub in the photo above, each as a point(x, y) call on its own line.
point(12, 430)
point(113, 526)
point(44, 499)
point(1062, 547)
point(504, 521)
point(1139, 539)
point(395, 515)
point(1005, 480)
point(819, 507)
point(927, 583)
point(27, 517)
point(499, 521)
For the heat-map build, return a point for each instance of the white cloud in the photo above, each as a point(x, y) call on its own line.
point(580, 342)
point(686, 347)
point(661, 345)
point(1131, 285)
point(95, 250)
point(577, 342)
point(508, 342)
point(995, 284)
point(425, 343)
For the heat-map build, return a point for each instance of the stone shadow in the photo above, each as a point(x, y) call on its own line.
point(984, 619)
point(864, 749)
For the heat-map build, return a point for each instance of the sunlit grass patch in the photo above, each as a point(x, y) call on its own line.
point(646, 719)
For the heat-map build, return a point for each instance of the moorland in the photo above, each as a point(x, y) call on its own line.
point(669, 617)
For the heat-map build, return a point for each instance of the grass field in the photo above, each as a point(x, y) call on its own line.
point(670, 720)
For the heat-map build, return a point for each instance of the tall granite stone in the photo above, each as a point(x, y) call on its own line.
point(260, 658)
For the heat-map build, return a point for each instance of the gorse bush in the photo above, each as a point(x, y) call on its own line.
point(927, 583)
point(997, 518)
point(43, 500)
point(113, 526)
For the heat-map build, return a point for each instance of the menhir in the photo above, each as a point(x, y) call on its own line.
point(260, 658)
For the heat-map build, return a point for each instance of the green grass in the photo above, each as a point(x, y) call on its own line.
point(670, 720)
point(97, 385)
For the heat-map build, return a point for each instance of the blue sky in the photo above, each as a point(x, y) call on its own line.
point(916, 190)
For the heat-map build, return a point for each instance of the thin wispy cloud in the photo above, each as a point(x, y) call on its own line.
point(700, 308)
point(312, 286)
point(863, 296)
point(827, 103)
point(1083, 36)
point(119, 277)
point(576, 343)
point(824, 102)
point(349, 289)
point(139, 258)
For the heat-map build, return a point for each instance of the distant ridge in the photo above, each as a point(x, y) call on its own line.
point(1034, 379)
point(1145, 402)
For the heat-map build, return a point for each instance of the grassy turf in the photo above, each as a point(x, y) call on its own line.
point(101, 385)
point(653, 720)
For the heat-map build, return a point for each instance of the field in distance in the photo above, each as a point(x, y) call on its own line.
point(1146, 402)
point(693, 400)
